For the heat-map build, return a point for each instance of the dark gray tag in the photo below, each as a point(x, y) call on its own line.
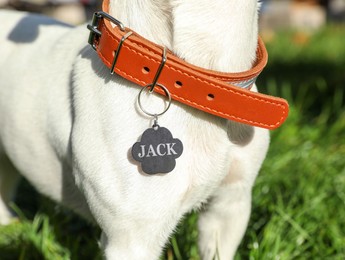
point(157, 150)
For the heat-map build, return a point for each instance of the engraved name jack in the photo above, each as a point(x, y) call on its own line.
point(159, 150)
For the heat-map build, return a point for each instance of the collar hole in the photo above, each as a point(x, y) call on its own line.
point(210, 97)
point(145, 70)
point(178, 84)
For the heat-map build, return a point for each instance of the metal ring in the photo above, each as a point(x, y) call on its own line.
point(154, 114)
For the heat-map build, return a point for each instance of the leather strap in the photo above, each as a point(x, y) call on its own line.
point(209, 91)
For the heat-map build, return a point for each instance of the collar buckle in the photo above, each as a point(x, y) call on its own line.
point(93, 27)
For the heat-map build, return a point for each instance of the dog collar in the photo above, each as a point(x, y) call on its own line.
point(226, 95)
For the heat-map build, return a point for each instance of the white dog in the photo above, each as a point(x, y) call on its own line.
point(67, 125)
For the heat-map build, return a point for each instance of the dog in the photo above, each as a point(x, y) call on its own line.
point(67, 126)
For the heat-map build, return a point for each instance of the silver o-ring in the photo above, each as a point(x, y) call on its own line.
point(166, 91)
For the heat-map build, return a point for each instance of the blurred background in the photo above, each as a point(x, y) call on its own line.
point(70, 11)
point(299, 197)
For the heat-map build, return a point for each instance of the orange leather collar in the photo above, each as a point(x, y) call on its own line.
point(217, 93)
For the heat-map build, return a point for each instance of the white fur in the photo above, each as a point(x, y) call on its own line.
point(67, 126)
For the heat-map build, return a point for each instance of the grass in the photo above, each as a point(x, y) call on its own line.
point(299, 196)
point(299, 203)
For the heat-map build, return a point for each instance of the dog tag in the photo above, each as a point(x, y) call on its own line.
point(157, 150)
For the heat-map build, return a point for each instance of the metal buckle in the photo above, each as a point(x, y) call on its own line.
point(94, 32)
point(93, 27)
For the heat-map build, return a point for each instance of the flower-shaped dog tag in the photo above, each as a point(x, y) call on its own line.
point(157, 150)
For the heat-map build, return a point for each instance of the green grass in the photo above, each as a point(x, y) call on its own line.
point(298, 199)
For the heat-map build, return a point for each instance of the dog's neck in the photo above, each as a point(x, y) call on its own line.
point(219, 35)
